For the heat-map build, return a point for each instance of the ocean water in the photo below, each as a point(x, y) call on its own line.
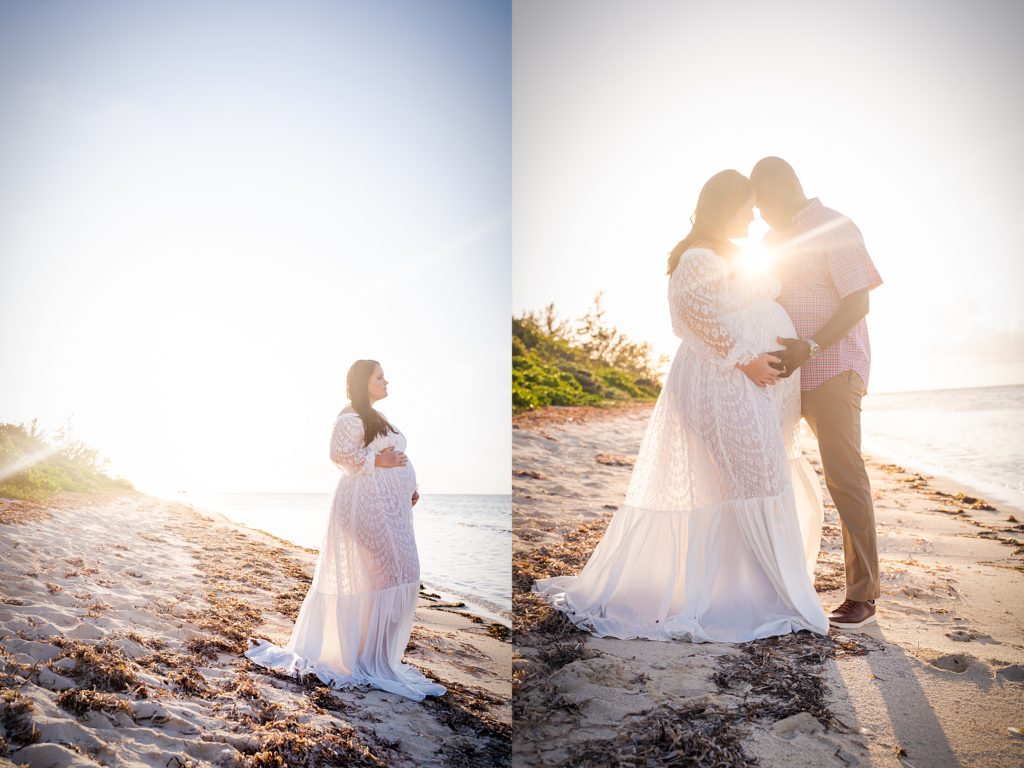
point(972, 436)
point(464, 541)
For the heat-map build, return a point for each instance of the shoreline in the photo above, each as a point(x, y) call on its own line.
point(974, 486)
point(123, 619)
point(446, 594)
point(555, 415)
point(937, 680)
point(467, 605)
point(978, 447)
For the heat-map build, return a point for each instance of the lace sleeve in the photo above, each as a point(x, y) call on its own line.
point(703, 278)
point(347, 450)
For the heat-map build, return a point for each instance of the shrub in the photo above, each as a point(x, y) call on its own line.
point(557, 363)
point(65, 465)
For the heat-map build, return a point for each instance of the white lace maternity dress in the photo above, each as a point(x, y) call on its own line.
point(355, 621)
point(721, 524)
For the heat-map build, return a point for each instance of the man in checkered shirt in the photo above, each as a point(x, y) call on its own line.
point(826, 275)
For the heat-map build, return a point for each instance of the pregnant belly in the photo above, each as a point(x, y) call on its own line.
point(402, 479)
point(761, 323)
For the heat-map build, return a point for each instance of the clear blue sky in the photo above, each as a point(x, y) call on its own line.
point(208, 210)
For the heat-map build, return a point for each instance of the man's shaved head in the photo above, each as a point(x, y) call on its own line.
point(778, 191)
point(774, 172)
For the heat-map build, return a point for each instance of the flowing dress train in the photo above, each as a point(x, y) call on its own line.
point(355, 621)
point(721, 525)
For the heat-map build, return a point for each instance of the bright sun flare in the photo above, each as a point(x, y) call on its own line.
point(753, 257)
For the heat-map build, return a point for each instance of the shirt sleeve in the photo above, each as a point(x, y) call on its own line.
point(704, 276)
point(848, 262)
point(347, 449)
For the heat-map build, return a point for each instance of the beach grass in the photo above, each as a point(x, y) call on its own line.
point(584, 362)
point(49, 466)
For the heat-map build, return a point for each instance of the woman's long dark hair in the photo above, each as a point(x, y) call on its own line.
point(721, 197)
point(357, 388)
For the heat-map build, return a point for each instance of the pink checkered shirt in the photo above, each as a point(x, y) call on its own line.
point(820, 260)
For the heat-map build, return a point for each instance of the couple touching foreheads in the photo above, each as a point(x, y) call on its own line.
point(721, 525)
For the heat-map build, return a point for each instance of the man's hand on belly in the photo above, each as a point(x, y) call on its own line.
point(793, 356)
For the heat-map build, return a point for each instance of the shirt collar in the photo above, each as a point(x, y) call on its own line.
point(813, 205)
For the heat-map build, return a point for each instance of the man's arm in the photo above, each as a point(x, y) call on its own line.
point(851, 310)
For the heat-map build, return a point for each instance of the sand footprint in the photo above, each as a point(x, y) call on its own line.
point(954, 662)
point(967, 635)
point(1013, 673)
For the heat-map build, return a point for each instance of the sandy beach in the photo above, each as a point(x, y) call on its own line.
point(939, 681)
point(122, 624)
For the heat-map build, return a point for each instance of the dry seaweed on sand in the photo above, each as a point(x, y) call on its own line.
point(232, 619)
point(478, 737)
point(667, 736)
point(237, 557)
point(781, 676)
point(829, 580)
point(288, 743)
point(243, 686)
point(289, 602)
point(15, 720)
point(531, 473)
point(545, 639)
point(531, 614)
point(322, 698)
point(615, 460)
point(498, 631)
point(993, 535)
point(181, 670)
point(974, 503)
point(165, 658)
point(259, 712)
point(80, 701)
point(536, 623)
point(579, 414)
point(210, 647)
point(192, 682)
point(20, 512)
point(776, 677)
point(102, 666)
point(558, 655)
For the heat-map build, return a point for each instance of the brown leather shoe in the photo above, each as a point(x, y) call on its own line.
point(852, 614)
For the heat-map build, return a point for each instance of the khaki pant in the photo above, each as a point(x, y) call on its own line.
point(832, 411)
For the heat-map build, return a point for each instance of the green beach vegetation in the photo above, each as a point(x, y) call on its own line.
point(48, 466)
point(557, 361)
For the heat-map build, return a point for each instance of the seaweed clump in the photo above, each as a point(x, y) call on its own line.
point(287, 743)
point(784, 675)
point(80, 701)
point(101, 666)
point(479, 738)
point(16, 721)
point(669, 736)
point(545, 640)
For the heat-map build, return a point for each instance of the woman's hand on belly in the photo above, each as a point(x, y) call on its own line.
point(761, 370)
point(390, 458)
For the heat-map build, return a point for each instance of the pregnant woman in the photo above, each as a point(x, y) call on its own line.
point(355, 621)
point(721, 524)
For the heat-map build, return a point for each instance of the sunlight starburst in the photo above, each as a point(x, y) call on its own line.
point(753, 256)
